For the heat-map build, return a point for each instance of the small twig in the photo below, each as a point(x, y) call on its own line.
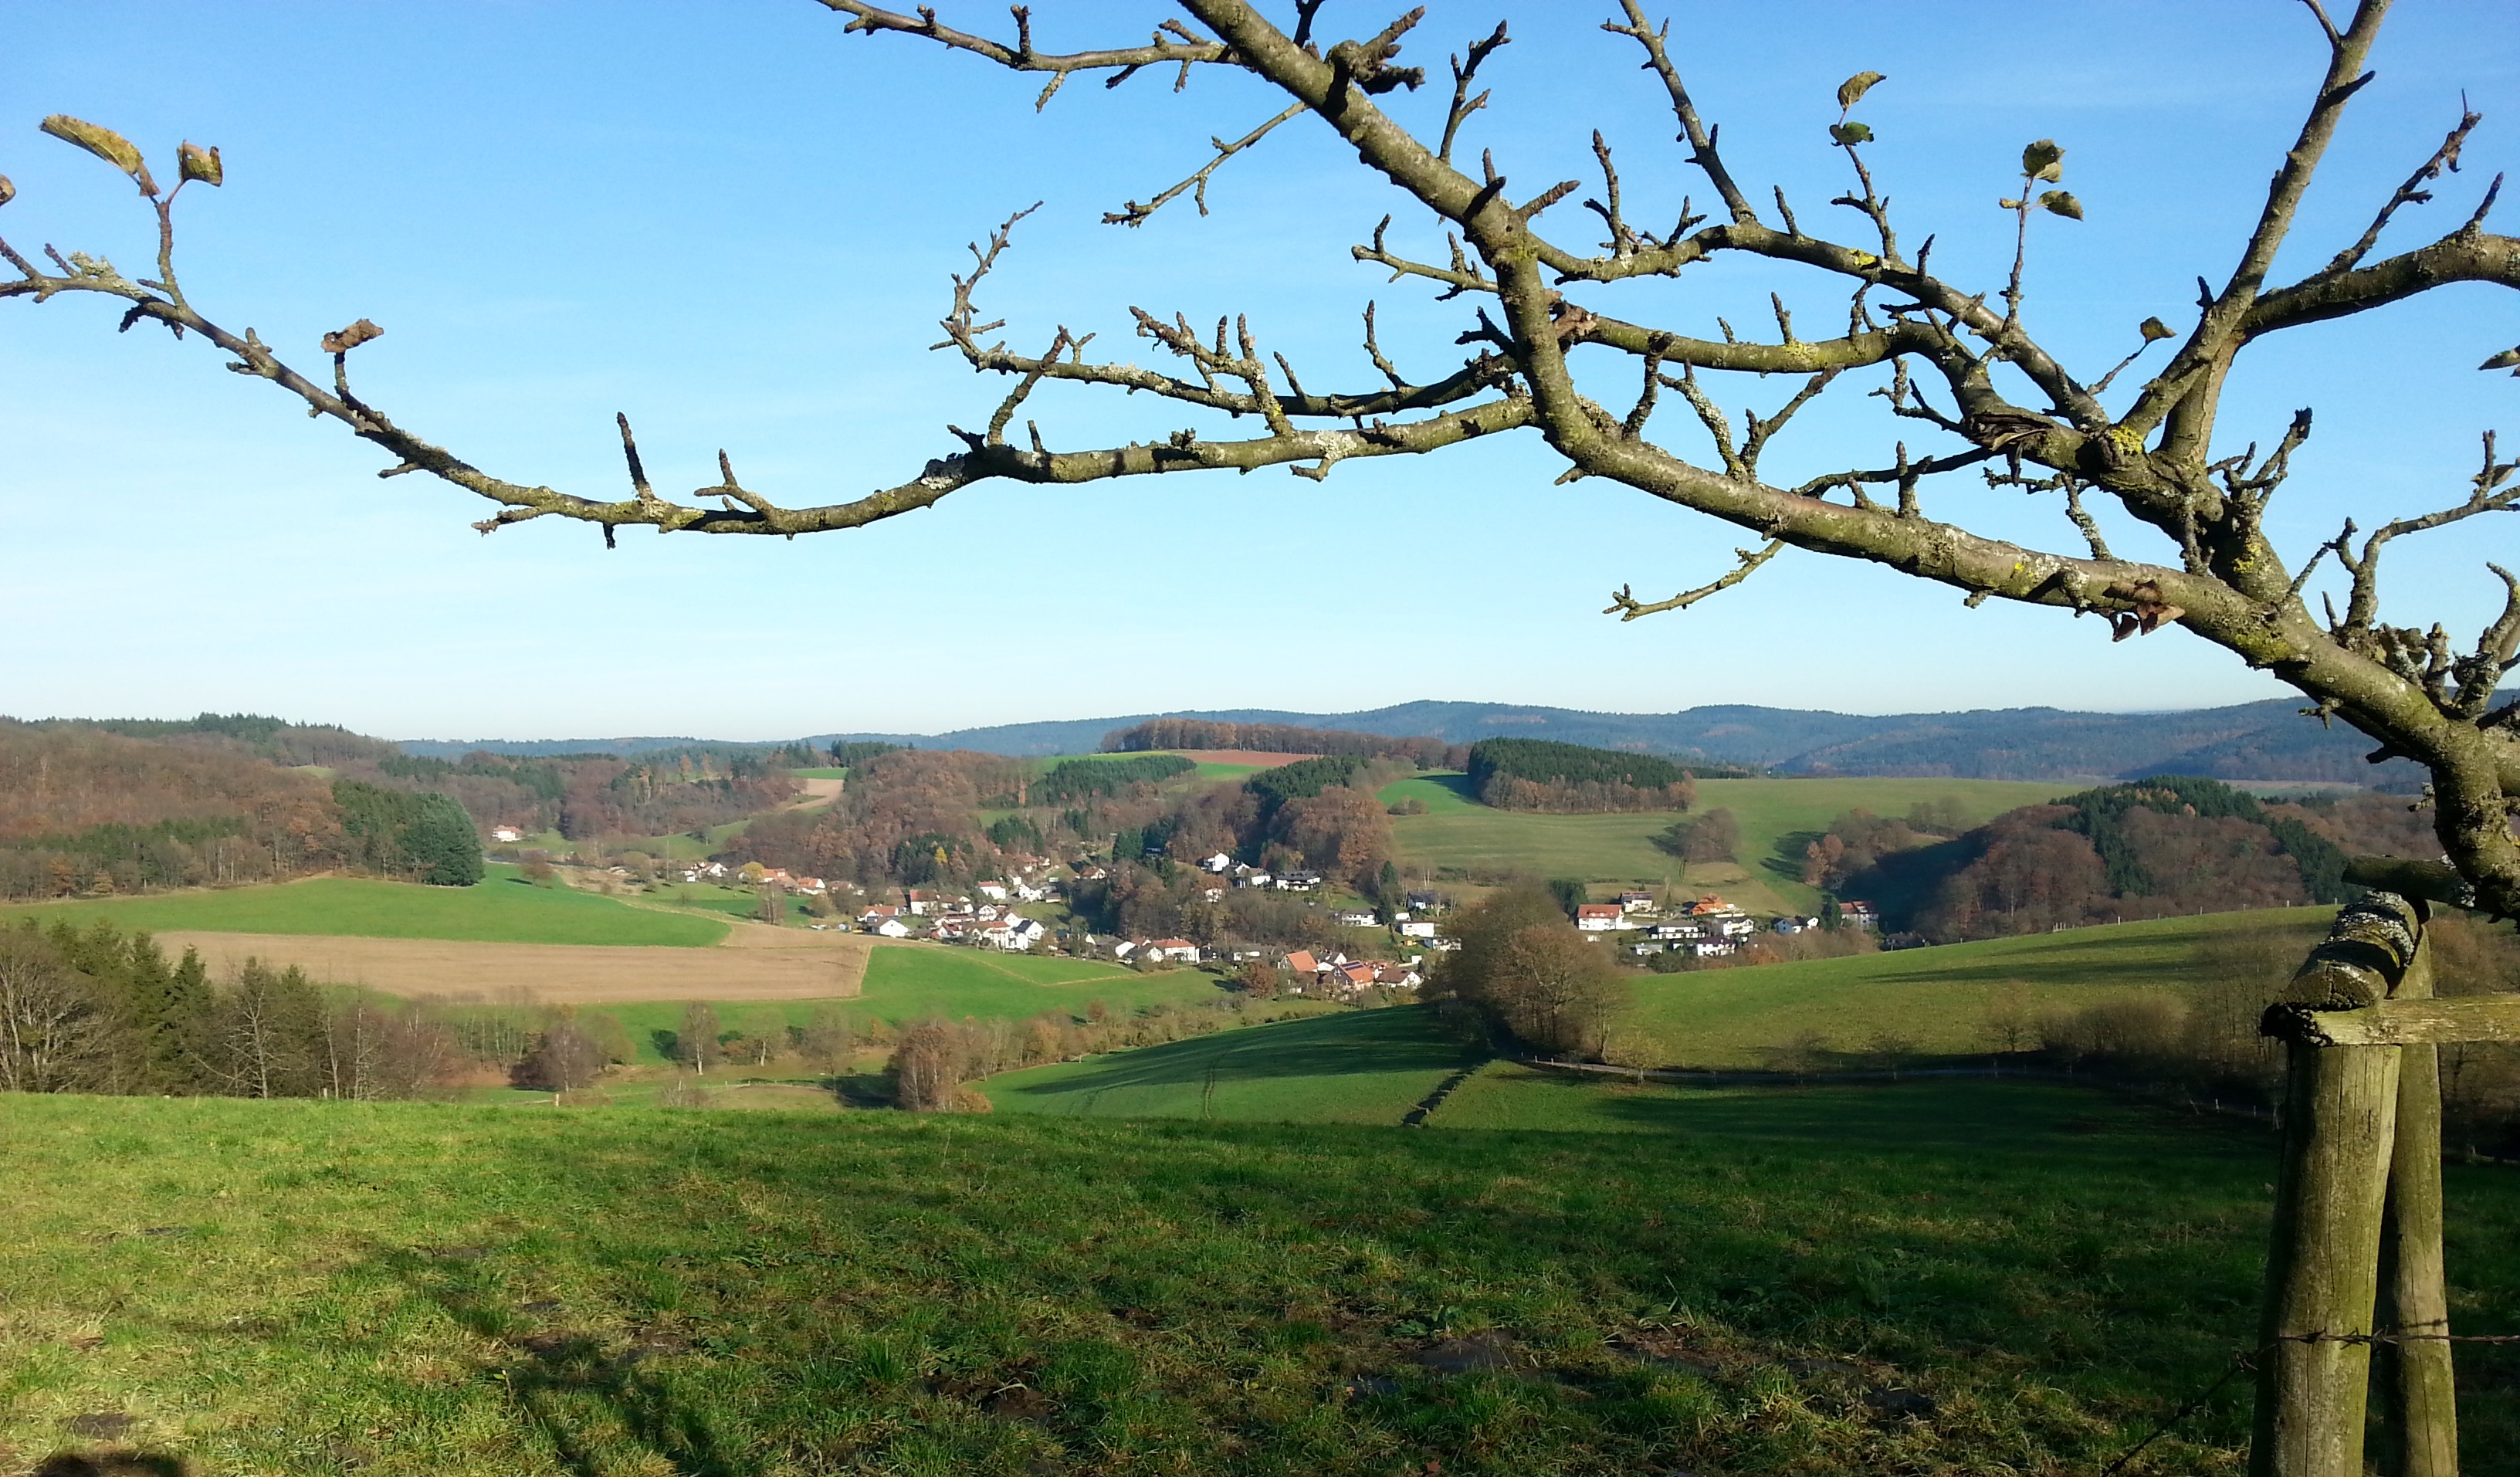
point(1628, 607)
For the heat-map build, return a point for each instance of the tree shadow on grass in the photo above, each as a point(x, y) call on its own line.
point(1786, 862)
point(1397, 1039)
point(585, 1393)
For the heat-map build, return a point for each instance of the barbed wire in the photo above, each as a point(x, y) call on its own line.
point(2246, 1363)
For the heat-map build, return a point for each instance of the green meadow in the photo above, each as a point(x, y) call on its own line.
point(1935, 999)
point(1942, 1277)
point(1777, 817)
point(1352, 1067)
point(503, 909)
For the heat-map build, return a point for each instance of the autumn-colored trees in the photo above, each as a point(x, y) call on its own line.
point(98, 1010)
point(1533, 978)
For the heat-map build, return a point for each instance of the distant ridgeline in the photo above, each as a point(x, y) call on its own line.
point(1280, 738)
point(2149, 848)
point(1538, 774)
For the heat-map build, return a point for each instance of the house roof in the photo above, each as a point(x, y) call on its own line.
point(1302, 959)
point(1597, 910)
point(1174, 943)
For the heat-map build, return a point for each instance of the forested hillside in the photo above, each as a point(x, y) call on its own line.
point(124, 805)
point(2154, 848)
point(1536, 774)
point(1282, 738)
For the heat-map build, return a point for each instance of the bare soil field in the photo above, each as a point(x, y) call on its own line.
point(817, 792)
point(753, 964)
point(1239, 756)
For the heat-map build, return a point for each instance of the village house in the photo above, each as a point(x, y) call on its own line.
point(1355, 917)
point(878, 913)
point(1178, 950)
point(506, 834)
point(1214, 894)
point(1857, 916)
point(1251, 876)
point(891, 928)
point(1219, 863)
point(1418, 928)
point(1298, 881)
point(1397, 976)
point(1300, 962)
point(919, 901)
point(1638, 902)
point(1712, 948)
point(1425, 901)
point(1598, 917)
point(995, 892)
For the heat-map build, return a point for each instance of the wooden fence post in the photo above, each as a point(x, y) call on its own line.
point(2324, 1266)
point(2415, 1295)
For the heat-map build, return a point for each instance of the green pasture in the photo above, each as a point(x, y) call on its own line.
point(907, 983)
point(1354, 1067)
point(1944, 1278)
point(502, 908)
point(1934, 998)
point(827, 771)
point(1778, 818)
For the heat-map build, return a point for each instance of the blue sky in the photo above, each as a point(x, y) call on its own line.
point(735, 224)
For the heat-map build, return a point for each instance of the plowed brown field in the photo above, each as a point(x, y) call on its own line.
point(1241, 756)
point(753, 964)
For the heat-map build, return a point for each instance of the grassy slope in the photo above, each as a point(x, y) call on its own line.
point(1458, 833)
point(405, 1289)
point(1936, 998)
point(908, 982)
point(502, 908)
point(1357, 1066)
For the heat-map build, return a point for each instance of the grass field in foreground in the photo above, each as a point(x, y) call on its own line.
point(1356, 1067)
point(1458, 832)
point(1931, 1278)
point(1935, 998)
point(502, 908)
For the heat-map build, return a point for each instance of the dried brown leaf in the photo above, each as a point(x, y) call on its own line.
point(350, 338)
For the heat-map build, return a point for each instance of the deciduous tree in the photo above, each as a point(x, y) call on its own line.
point(1962, 364)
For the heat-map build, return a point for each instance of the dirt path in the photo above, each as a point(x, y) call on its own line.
point(754, 964)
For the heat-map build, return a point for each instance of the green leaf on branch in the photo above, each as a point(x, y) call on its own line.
point(1851, 91)
point(1850, 133)
point(2154, 330)
point(2044, 161)
point(2058, 203)
point(104, 144)
point(2010, 205)
point(199, 163)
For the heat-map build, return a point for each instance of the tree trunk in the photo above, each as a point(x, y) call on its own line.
point(2323, 1272)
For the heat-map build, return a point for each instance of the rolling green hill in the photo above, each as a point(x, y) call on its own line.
point(502, 908)
point(1952, 1278)
point(1935, 998)
point(1777, 817)
point(1355, 1066)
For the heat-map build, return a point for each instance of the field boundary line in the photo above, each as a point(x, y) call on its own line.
point(1417, 1116)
